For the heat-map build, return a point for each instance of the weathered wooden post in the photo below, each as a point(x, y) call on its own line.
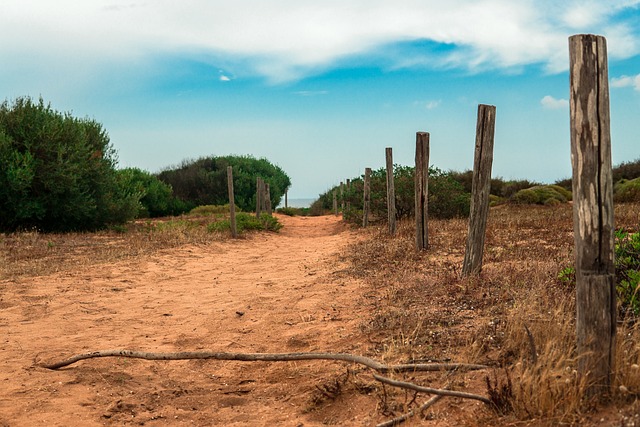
point(232, 203)
point(258, 197)
point(593, 222)
point(342, 198)
point(263, 195)
point(335, 203)
point(391, 192)
point(367, 197)
point(480, 189)
point(286, 198)
point(267, 199)
point(422, 190)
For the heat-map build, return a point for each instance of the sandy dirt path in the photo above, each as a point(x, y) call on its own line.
point(271, 292)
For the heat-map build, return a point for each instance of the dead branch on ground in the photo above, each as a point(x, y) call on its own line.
point(270, 357)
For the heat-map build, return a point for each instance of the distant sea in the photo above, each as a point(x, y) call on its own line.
point(297, 203)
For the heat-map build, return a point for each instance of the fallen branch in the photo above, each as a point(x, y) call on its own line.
point(404, 417)
point(269, 357)
point(437, 391)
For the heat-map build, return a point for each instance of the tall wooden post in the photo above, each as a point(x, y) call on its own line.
point(232, 202)
point(480, 189)
point(593, 222)
point(286, 198)
point(258, 196)
point(267, 199)
point(422, 190)
point(335, 203)
point(367, 197)
point(391, 192)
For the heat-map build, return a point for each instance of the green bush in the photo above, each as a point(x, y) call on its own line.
point(247, 221)
point(447, 198)
point(549, 195)
point(627, 259)
point(627, 191)
point(57, 172)
point(627, 268)
point(156, 197)
point(204, 181)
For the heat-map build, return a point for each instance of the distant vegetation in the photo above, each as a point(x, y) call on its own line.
point(449, 192)
point(58, 173)
point(204, 181)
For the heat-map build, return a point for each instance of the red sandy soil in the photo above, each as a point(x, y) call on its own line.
point(269, 292)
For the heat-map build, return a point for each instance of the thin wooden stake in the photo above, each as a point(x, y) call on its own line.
point(593, 220)
point(367, 197)
point(391, 192)
point(480, 189)
point(232, 203)
point(335, 203)
point(267, 199)
point(422, 190)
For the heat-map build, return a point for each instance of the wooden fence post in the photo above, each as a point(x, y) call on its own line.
point(367, 197)
point(422, 190)
point(348, 190)
point(593, 220)
point(286, 198)
point(232, 203)
point(342, 198)
point(391, 192)
point(480, 189)
point(267, 199)
point(335, 203)
point(258, 196)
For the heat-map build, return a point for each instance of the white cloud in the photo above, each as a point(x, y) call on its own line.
point(224, 78)
point(429, 105)
point(552, 103)
point(627, 81)
point(289, 39)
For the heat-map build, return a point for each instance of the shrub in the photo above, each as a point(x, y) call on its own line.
point(246, 221)
point(549, 195)
point(627, 260)
point(627, 191)
point(57, 172)
point(627, 267)
point(156, 197)
point(447, 198)
point(204, 181)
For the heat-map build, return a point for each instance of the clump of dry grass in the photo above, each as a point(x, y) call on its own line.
point(422, 309)
point(31, 253)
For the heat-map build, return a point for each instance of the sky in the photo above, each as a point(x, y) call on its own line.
point(321, 87)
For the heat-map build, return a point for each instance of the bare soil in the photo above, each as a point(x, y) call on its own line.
point(269, 292)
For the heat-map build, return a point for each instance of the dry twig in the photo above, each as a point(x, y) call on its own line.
point(268, 357)
point(437, 391)
point(404, 417)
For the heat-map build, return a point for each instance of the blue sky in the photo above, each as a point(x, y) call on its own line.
point(322, 87)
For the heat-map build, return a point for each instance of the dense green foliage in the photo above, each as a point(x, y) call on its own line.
point(447, 198)
point(542, 195)
point(57, 172)
point(156, 197)
point(627, 267)
point(204, 181)
point(627, 190)
point(627, 259)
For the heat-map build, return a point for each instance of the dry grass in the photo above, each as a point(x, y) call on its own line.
point(31, 253)
point(423, 310)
